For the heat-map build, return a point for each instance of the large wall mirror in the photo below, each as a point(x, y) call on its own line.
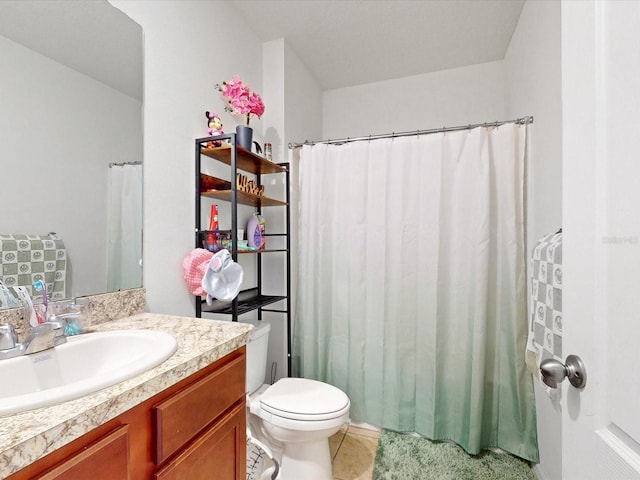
point(71, 138)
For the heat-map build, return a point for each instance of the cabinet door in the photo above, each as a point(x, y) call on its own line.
point(105, 459)
point(219, 453)
point(179, 418)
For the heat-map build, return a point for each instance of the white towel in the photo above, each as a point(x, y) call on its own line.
point(222, 278)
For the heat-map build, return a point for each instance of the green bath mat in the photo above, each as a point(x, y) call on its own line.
point(405, 457)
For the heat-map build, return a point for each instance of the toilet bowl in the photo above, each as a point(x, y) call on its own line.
point(294, 417)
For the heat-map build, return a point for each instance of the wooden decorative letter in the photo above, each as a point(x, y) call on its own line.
point(248, 186)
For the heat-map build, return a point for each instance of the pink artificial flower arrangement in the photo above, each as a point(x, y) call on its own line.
point(241, 100)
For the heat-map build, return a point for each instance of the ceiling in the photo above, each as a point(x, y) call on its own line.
point(352, 42)
point(342, 42)
point(89, 36)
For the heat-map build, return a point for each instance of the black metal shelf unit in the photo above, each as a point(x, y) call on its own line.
point(242, 161)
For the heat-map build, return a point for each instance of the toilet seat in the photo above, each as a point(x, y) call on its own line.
point(304, 399)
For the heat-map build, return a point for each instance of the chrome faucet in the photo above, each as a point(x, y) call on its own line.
point(42, 337)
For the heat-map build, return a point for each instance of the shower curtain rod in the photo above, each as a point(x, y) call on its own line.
point(123, 164)
point(520, 121)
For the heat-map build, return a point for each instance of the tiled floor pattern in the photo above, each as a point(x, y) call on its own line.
point(353, 450)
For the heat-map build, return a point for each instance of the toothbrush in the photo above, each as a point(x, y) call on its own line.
point(41, 287)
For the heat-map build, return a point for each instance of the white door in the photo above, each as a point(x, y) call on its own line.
point(601, 218)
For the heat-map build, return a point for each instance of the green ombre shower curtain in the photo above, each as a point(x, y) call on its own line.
point(411, 284)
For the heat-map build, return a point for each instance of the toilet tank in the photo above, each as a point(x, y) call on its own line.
point(257, 347)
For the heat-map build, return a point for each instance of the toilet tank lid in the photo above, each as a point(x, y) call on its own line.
point(304, 399)
point(263, 328)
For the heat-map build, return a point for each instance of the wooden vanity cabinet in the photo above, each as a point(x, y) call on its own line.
point(193, 413)
point(195, 429)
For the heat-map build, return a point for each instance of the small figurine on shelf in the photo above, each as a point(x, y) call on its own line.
point(214, 128)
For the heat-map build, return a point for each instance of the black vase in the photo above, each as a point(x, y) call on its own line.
point(244, 136)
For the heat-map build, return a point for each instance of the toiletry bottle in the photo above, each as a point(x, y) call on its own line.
point(255, 232)
point(212, 240)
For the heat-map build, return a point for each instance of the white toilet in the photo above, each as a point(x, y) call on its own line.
point(294, 417)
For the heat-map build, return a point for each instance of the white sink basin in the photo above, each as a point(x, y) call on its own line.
point(83, 365)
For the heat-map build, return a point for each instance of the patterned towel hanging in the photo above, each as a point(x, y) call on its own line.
point(25, 259)
point(545, 335)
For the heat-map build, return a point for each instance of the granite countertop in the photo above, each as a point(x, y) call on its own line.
point(28, 436)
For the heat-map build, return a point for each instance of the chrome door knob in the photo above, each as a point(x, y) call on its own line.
point(553, 372)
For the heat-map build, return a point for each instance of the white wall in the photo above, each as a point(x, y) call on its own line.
point(532, 67)
point(303, 112)
point(295, 96)
point(60, 130)
point(273, 82)
point(460, 96)
point(189, 46)
point(533, 87)
point(303, 121)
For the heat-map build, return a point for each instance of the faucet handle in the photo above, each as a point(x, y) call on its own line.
point(57, 317)
point(8, 337)
point(69, 327)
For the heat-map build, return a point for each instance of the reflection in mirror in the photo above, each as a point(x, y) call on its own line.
point(71, 138)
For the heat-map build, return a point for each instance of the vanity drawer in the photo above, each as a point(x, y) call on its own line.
point(219, 452)
point(178, 419)
point(105, 459)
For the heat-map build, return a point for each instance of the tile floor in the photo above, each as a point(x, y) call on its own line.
point(353, 450)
